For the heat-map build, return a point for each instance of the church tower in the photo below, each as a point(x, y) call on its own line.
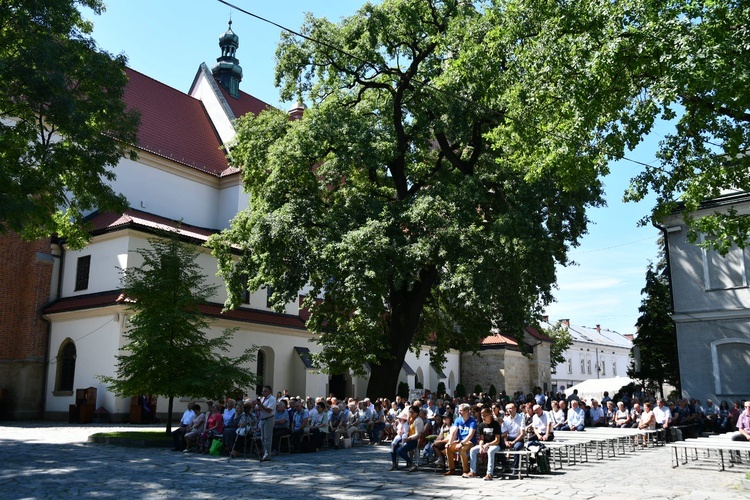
point(227, 70)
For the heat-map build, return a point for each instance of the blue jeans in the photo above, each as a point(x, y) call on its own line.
point(474, 454)
point(374, 433)
point(403, 451)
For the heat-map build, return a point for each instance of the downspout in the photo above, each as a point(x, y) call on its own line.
point(57, 250)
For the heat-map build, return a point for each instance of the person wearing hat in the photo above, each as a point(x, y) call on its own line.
point(408, 443)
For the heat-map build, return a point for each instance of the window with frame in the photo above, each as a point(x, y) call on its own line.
point(583, 364)
point(83, 270)
point(588, 365)
point(604, 367)
point(614, 367)
point(66, 367)
point(570, 365)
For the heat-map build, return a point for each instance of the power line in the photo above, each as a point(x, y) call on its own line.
point(613, 246)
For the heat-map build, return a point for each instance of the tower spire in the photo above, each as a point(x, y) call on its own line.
point(227, 70)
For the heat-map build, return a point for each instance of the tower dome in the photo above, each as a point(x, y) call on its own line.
point(227, 69)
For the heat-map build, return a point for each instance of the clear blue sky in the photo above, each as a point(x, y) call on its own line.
point(168, 39)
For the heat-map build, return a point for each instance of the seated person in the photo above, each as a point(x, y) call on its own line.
point(347, 425)
point(597, 415)
point(515, 434)
point(575, 418)
point(364, 417)
point(622, 416)
point(541, 425)
point(609, 413)
point(195, 429)
point(178, 435)
point(557, 416)
point(635, 415)
point(300, 424)
point(280, 424)
point(443, 433)
point(743, 425)
point(319, 425)
point(463, 438)
point(490, 441)
point(378, 424)
point(214, 427)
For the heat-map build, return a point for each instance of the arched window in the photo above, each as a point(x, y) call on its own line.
point(588, 364)
point(604, 368)
point(570, 365)
point(583, 364)
point(66, 367)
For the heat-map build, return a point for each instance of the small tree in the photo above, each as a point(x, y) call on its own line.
point(403, 390)
point(492, 391)
point(460, 390)
point(168, 352)
point(561, 341)
point(478, 389)
point(441, 389)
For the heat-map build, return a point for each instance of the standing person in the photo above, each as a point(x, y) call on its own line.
point(178, 435)
point(743, 425)
point(266, 409)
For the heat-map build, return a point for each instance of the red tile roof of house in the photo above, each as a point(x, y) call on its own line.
point(498, 339)
point(115, 297)
point(244, 104)
point(174, 125)
point(105, 222)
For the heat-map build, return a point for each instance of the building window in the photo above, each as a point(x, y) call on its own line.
point(726, 355)
point(583, 364)
point(245, 290)
point(82, 272)
point(722, 272)
point(604, 368)
point(570, 365)
point(66, 367)
point(614, 367)
point(588, 365)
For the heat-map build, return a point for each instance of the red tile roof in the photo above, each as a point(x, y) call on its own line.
point(105, 222)
point(244, 104)
point(174, 125)
point(498, 339)
point(115, 297)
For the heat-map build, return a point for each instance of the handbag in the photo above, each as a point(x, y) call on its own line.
point(215, 447)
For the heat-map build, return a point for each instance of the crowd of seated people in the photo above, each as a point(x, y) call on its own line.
point(451, 433)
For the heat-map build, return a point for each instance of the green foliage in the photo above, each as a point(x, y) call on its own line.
point(403, 390)
point(694, 64)
point(441, 388)
point(561, 341)
point(492, 391)
point(425, 193)
point(478, 389)
point(419, 385)
point(460, 390)
point(656, 340)
point(63, 125)
point(168, 351)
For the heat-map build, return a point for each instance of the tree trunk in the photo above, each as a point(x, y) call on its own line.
point(169, 414)
point(406, 310)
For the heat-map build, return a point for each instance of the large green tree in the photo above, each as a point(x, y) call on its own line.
point(63, 124)
point(421, 195)
point(169, 351)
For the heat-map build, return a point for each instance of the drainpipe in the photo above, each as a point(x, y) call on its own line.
point(57, 250)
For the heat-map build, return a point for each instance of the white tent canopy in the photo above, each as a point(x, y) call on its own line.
point(594, 388)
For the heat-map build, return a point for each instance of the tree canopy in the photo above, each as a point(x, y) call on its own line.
point(63, 124)
point(416, 194)
point(561, 341)
point(451, 149)
point(169, 351)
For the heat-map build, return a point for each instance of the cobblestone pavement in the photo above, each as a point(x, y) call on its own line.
point(44, 460)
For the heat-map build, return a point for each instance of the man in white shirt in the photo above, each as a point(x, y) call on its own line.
point(597, 414)
point(575, 418)
point(178, 435)
point(542, 424)
point(267, 409)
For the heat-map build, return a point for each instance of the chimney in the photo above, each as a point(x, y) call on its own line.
point(565, 322)
point(598, 328)
point(297, 110)
point(545, 319)
point(629, 336)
